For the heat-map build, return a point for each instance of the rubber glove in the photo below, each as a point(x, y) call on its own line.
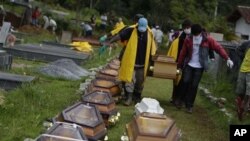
point(103, 38)
point(230, 63)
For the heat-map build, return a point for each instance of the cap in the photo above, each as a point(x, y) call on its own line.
point(142, 24)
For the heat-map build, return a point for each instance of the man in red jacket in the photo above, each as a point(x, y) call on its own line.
point(193, 60)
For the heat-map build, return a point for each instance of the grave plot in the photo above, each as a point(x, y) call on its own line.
point(46, 53)
point(10, 81)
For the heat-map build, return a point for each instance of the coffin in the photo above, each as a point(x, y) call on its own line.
point(88, 117)
point(152, 127)
point(105, 104)
point(62, 131)
point(104, 85)
point(107, 73)
point(164, 67)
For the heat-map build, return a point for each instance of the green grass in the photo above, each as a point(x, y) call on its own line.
point(24, 110)
point(203, 124)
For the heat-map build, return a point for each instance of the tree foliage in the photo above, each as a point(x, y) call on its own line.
point(167, 13)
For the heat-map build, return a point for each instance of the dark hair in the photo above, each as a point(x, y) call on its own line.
point(186, 23)
point(196, 29)
point(137, 17)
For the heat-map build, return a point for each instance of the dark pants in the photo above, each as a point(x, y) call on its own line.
point(189, 85)
point(137, 81)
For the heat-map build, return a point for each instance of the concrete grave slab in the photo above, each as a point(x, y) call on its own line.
point(4, 32)
point(10, 81)
point(46, 53)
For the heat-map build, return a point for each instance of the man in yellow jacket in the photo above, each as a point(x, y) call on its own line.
point(135, 60)
point(243, 82)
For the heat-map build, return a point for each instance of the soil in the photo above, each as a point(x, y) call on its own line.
point(32, 29)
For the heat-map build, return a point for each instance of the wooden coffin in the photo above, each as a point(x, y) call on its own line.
point(152, 127)
point(165, 67)
point(104, 103)
point(88, 117)
point(104, 85)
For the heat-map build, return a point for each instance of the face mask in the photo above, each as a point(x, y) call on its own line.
point(187, 30)
point(197, 37)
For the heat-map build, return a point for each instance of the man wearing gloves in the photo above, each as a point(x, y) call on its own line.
point(193, 60)
point(135, 60)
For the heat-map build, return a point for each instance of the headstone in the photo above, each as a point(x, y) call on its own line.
point(217, 36)
point(4, 32)
point(66, 37)
point(5, 60)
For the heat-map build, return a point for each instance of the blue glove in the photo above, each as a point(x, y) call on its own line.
point(103, 38)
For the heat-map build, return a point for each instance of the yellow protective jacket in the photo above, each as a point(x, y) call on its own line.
point(173, 49)
point(128, 60)
point(245, 66)
point(118, 27)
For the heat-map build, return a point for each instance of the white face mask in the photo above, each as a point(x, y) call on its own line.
point(197, 37)
point(187, 30)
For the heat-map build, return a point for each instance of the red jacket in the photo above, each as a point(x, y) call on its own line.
point(207, 43)
point(36, 14)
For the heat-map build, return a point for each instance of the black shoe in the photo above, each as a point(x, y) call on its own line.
point(128, 101)
point(178, 104)
point(137, 100)
point(189, 110)
point(137, 97)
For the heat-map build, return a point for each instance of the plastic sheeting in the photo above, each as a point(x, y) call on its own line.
point(64, 68)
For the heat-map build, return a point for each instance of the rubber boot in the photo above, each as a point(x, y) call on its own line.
point(128, 102)
point(137, 97)
point(246, 103)
point(239, 107)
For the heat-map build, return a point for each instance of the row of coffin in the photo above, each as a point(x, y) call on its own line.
point(89, 119)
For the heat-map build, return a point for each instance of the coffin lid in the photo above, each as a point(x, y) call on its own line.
point(83, 113)
point(111, 72)
point(103, 83)
point(67, 130)
point(98, 97)
point(163, 58)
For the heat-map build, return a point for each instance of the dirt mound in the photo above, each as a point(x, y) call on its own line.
point(32, 29)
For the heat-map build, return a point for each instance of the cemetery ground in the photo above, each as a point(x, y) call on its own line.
point(23, 110)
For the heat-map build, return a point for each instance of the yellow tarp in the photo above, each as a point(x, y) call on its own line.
point(82, 46)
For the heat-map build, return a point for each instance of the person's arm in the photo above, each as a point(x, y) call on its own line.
point(211, 54)
point(221, 51)
point(214, 45)
point(115, 38)
point(183, 54)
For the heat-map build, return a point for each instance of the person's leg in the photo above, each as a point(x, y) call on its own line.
point(176, 91)
point(247, 92)
point(139, 84)
point(240, 91)
point(196, 77)
point(183, 86)
point(129, 88)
